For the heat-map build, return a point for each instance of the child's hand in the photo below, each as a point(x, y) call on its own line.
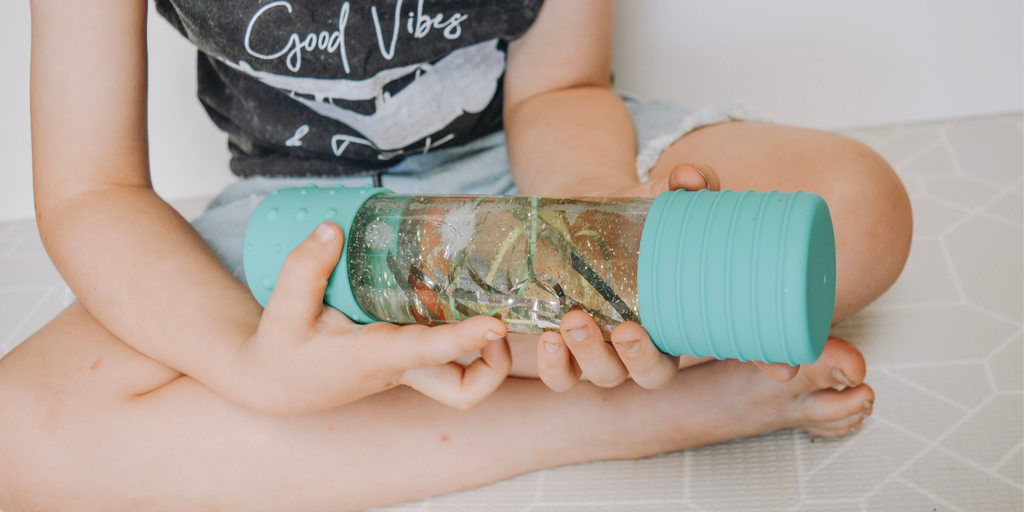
point(691, 177)
point(579, 349)
point(307, 356)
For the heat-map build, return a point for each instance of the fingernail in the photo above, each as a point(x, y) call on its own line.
point(493, 336)
point(550, 348)
point(867, 404)
point(579, 333)
point(707, 184)
point(630, 347)
point(324, 233)
point(841, 377)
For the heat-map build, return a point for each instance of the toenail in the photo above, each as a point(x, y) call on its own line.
point(579, 333)
point(841, 377)
point(867, 404)
point(550, 348)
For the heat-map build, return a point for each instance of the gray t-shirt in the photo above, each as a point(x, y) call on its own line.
point(347, 87)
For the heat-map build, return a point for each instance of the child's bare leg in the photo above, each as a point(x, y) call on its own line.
point(88, 423)
point(870, 208)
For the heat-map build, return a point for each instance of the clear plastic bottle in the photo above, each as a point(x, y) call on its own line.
point(524, 260)
point(746, 275)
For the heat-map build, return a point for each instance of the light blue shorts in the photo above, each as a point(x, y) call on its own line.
point(480, 167)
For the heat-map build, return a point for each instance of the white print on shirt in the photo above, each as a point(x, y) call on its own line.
point(340, 142)
point(428, 146)
point(296, 139)
point(463, 81)
point(335, 41)
point(388, 54)
point(423, 23)
point(331, 42)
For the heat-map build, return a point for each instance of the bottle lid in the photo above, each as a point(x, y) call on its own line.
point(284, 219)
point(740, 275)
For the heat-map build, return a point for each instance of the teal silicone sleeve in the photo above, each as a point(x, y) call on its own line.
point(741, 275)
point(284, 219)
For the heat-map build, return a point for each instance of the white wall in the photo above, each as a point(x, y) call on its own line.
point(825, 64)
point(188, 153)
point(15, 140)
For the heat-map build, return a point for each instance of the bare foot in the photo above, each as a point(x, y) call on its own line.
point(730, 399)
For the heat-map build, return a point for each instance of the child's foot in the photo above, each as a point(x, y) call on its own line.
point(729, 399)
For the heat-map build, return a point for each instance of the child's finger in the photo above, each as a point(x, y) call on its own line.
point(555, 364)
point(648, 366)
point(694, 177)
point(459, 387)
point(299, 292)
point(690, 177)
point(596, 358)
point(417, 346)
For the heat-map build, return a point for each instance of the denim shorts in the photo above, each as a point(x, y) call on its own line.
point(480, 167)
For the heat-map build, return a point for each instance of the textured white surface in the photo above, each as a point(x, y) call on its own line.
point(944, 347)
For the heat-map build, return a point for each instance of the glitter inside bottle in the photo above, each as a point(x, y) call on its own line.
point(525, 260)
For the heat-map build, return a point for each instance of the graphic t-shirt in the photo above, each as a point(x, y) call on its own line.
point(307, 87)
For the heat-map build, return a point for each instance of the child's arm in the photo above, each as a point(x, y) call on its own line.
point(567, 131)
point(570, 135)
point(146, 275)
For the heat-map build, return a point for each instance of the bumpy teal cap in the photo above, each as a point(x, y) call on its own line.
point(739, 275)
point(284, 219)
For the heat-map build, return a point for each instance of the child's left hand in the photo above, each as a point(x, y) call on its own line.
point(579, 349)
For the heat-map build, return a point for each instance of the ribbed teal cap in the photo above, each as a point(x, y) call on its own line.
point(739, 275)
point(284, 219)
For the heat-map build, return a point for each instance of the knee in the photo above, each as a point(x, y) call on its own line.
point(873, 222)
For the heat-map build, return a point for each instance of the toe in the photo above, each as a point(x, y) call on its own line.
point(838, 428)
point(781, 372)
point(828, 405)
point(840, 364)
point(842, 425)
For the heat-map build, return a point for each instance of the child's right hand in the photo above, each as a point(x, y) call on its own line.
point(306, 356)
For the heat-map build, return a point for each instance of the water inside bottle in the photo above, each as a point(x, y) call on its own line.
point(524, 260)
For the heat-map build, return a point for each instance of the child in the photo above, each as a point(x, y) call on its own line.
point(166, 386)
